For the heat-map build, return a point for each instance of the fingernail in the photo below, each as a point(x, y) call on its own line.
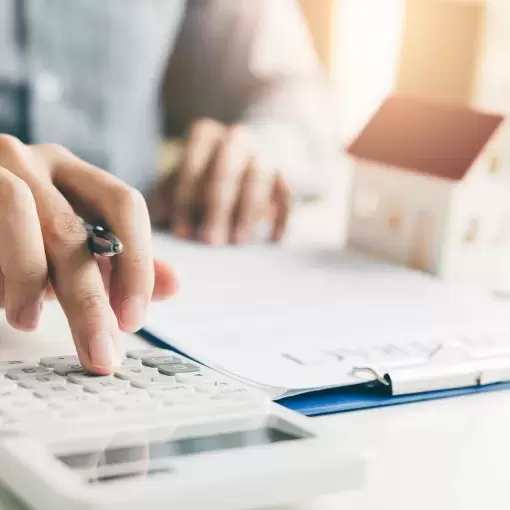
point(103, 353)
point(28, 317)
point(132, 313)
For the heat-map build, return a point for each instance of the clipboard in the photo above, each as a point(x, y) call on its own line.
point(452, 372)
point(341, 400)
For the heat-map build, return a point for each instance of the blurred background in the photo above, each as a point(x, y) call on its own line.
point(452, 50)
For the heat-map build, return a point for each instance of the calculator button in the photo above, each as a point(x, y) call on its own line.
point(179, 390)
point(16, 393)
point(131, 362)
point(85, 378)
point(106, 385)
point(141, 406)
point(8, 365)
point(23, 373)
point(59, 360)
point(214, 386)
point(42, 380)
point(143, 377)
point(154, 381)
point(68, 368)
point(235, 394)
point(62, 391)
point(195, 377)
point(22, 422)
point(191, 406)
point(6, 385)
point(92, 412)
point(21, 406)
point(178, 368)
point(115, 396)
point(69, 401)
point(147, 353)
point(132, 373)
point(156, 362)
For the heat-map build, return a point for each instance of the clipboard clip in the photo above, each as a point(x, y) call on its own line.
point(357, 371)
point(437, 375)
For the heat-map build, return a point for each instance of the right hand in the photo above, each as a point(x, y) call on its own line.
point(43, 249)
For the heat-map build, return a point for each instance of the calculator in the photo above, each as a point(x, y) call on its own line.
point(162, 432)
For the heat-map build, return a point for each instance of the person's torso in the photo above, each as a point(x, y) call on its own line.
point(87, 74)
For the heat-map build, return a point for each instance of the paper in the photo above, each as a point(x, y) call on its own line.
point(294, 318)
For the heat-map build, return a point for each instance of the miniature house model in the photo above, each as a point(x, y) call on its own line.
point(431, 191)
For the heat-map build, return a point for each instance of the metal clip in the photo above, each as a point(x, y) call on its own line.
point(379, 378)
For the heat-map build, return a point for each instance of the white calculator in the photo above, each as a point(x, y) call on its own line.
point(162, 433)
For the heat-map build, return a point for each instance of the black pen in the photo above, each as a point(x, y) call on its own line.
point(102, 242)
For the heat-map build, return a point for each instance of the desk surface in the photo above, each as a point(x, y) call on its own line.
point(442, 455)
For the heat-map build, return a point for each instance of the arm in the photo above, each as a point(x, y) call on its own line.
point(254, 64)
point(291, 106)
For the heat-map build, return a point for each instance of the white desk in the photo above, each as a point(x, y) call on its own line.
point(443, 455)
point(446, 455)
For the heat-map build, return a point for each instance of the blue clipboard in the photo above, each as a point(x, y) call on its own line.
point(353, 398)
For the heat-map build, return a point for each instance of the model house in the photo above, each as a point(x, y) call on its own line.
point(431, 189)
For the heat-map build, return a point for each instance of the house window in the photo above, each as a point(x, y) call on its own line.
point(494, 165)
point(394, 217)
point(422, 242)
point(394, 221)
point(472, 232)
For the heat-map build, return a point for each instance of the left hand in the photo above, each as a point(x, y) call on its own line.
point(223, 189)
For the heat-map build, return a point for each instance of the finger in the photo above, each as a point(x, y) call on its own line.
point(22, 256)
point(254, 199)
point(73, 271)
point(78, 285)
point(49, 294)
point(205, 136)
point(166, 284)
point(283, 203)
point(223, 184)
point(124, 211)
point(161, 208)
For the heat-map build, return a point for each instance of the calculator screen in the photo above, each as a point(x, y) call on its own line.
point(158, 451)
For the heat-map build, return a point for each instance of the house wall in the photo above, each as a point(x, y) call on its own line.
point(399, 216)
point(476, 245)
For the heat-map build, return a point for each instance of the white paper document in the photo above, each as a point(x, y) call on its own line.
point(292, 319)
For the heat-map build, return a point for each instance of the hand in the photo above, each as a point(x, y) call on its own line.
point(223, 189)
point(43, 249)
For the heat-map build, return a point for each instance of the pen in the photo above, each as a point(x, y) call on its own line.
point(102, 242)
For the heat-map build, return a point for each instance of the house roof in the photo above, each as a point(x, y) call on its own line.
point(425, 136)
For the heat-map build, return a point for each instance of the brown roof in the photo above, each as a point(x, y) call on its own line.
point(425, 136)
